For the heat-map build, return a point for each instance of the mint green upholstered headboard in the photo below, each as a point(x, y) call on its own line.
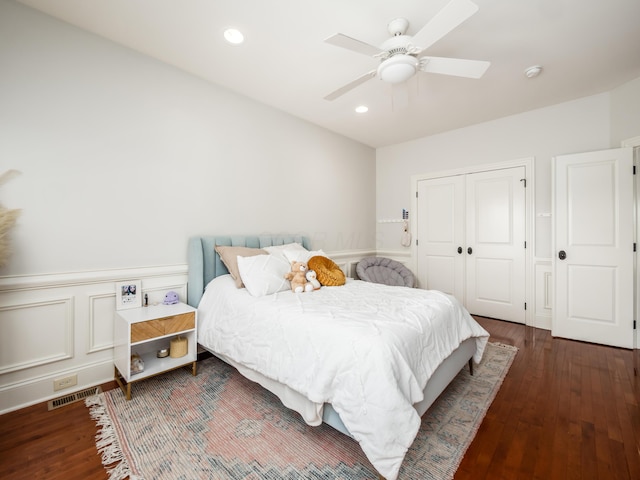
point(205, 264)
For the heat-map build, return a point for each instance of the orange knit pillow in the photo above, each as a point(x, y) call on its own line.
point(327, 272)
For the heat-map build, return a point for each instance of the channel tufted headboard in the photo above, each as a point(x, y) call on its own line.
point(205, 264)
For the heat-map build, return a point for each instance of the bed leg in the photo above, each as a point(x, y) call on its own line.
point(471, 366)
point(380, 477)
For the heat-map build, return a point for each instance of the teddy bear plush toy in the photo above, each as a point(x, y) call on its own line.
point(312, 279)
point(297, 277)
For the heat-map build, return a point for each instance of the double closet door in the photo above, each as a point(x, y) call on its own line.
point(471, 240)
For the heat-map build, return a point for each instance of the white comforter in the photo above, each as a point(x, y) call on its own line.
point(366, 348)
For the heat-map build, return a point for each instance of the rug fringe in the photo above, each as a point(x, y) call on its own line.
point(107, 441)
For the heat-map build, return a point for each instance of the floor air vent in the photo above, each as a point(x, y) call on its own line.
point(74, 397)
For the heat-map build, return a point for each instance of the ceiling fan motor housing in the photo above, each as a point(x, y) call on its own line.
point(399, 65)
point(397, 45)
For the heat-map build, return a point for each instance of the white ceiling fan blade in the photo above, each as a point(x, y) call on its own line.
point(452, 14)
point(459, 67)
point(349, 43)
point(351, 85)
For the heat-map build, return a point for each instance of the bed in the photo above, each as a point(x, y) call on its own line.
point(359, 357)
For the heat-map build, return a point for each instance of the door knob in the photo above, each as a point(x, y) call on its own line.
point(459, 249)
point(562, 254)
point(469, 250)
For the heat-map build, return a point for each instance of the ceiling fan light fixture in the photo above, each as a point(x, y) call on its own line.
point(398, 68)
point(362, 109)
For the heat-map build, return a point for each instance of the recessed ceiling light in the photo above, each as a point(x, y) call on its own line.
point(362, 109)
point(533, 72)
point(233, 36)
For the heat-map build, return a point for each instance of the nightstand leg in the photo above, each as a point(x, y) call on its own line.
point(120, 381)
point(193, 369)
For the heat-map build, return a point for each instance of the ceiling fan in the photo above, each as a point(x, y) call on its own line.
point(402, 56)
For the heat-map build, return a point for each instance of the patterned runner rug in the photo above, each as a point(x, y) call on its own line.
point(218, 425)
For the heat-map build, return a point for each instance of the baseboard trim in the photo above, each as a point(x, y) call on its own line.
point(38, 390)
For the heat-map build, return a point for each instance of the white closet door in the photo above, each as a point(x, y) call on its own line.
point(440, 222)
point(495, 240)
point(471, 234)
point(593, 265)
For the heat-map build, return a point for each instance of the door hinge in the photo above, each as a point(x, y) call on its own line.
point(525, 182)
point(634, 324)
point(525, 305)
point(416, 242)
point(525, 244)
point(416, 194)
point(634, 169)
point(634, 246)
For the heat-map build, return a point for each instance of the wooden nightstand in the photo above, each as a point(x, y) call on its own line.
point(146, 330)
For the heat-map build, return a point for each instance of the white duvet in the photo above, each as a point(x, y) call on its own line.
point(366, 348)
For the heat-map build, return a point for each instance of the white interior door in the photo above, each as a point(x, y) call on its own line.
point(471, 234)
point(440, 234)
point(593, 230)
point(495, 240)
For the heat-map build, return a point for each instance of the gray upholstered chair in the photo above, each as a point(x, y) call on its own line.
point(384, 270)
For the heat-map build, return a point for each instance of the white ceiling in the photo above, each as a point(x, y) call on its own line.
point(585, 46)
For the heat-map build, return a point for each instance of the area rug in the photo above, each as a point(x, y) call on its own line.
point(218, 425)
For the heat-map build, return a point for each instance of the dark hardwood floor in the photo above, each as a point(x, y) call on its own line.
point(566, 410)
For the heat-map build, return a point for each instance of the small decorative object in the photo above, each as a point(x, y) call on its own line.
point(137, 364)
point(171, 298)
point(128, 294)
point(313, 279)
point(162, 353)
point(179, 347)
point(298, 279)
point(328, 272)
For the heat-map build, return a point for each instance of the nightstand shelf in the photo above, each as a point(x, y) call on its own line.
point(146, 330)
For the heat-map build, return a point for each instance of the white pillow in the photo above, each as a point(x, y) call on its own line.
point(278, 250)
point(302, 256)
point(264, 274)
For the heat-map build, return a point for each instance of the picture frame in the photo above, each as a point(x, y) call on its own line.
point(128, 294)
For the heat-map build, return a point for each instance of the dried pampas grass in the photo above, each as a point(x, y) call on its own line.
point(7, 220)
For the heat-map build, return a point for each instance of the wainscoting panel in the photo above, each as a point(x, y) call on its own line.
point(544, 294)
point(101, 321)
point(20, 349)
point(61, 325)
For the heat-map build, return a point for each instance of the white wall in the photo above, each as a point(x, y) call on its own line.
point(576, 126)
point(625, 112)
point(122, 159)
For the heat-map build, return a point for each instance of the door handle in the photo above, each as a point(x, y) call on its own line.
point(562, 254)
point(459, 249)
point(469, 250)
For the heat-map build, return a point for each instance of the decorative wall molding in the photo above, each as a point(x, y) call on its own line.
point(100, 313)
point(49, 280)
point(543, 313)
point(53, 319)
point(55, 325)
